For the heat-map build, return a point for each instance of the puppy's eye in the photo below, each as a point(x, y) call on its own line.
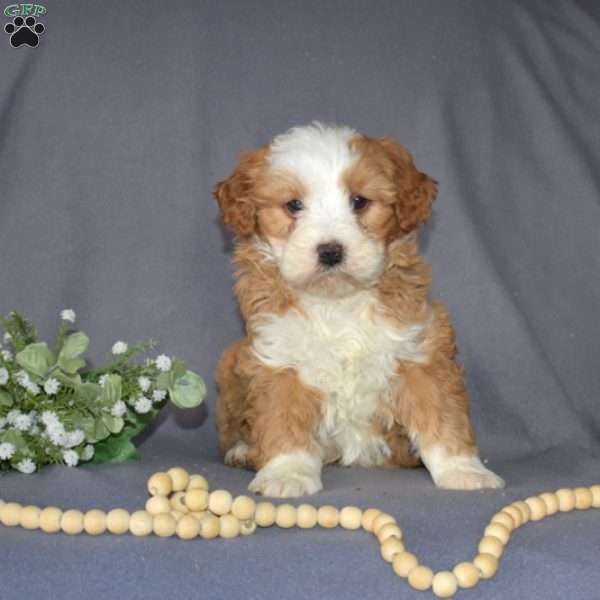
point(358, 203)
point(294, 206)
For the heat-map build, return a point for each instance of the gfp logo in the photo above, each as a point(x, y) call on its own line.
point(24, 29)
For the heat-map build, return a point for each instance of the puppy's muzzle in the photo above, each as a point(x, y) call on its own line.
point(330, 254)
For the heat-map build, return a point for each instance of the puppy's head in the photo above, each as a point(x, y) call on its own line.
point(325, 202)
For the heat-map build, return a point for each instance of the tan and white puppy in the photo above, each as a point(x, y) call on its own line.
point(346, 359)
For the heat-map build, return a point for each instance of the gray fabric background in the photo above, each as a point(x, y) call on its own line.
point(113, 132)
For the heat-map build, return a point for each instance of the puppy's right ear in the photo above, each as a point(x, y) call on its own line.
point(235, 194)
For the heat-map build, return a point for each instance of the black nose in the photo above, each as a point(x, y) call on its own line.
point(330, 254)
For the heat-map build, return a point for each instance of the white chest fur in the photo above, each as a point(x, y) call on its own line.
point(346, 350)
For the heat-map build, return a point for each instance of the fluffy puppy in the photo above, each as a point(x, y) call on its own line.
point(345, 359)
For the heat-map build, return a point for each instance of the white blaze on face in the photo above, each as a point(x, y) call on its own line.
point(318, 155)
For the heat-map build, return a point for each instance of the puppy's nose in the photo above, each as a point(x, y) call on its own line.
point(330, 254)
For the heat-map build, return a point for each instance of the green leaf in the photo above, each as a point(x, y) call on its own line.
point(113, 424)
point(87, 424)
point(111, 390)
point(5, 398)
point(164, 381)
point(74, 345)
point(70, 365)
point(88, 392)
point(118, 448)
point(36, 358)
point(70, 381)
point(100, 429)
point(188, 391)
point(15, 438)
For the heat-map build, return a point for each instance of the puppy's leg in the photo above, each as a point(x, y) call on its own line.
point(283, 419)
point(433, 406)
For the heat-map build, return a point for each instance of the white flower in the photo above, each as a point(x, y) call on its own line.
point(7, 338)
point(119, 348)
point(73, 438)
point(3, 376)
point(35, 430)
point(163, 363)
point(22, 378)
point(7, 450)
point(12, 416)
point(118, 409)
point(70, 457)
point(49, 418)
point(158, 395)
point(26, 466)
point(33, 388)
point(7, 355)
point(103, 379)
point(51, 386)
point(68, 315)
point(23, 422)
point(88, 452)
point(142, 405)
point(144, 383)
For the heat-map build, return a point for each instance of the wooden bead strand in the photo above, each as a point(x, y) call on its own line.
point(181, 505)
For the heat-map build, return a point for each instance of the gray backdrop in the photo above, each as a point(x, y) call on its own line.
point(113, 132)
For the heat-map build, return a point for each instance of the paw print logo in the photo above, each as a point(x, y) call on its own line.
point(24, 31)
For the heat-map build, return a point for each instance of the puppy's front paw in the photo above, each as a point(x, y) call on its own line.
point(464, 479)
point(237, 456)
point(289, 475)
point(290, 486)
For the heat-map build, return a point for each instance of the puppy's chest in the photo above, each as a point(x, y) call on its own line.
point(350, 353)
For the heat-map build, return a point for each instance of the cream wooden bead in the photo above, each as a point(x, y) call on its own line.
point(404, 563)
point(265, 514)
point(551, 502)
point(229, 526)
point(158, 504)
point(164, 525)
point(444, 584)
point(285, 516)
point(160, 484)
point(380, 521)
point(199, 514)
point(595, 490)
point(209, 527)
point(390, 548)
point(420, 578)
point(467, 575)
point(524, 510)
point(117, 521)
point(30, 517)
point(350, 517)
point(196, 500)
point(504, 519)
point(219, 502)
point(487, 565)
point(140, 523)
point(180, 478)
point(516, 515)
point(368, 517)
point(197, 482)
point(328, 516)
point(50, 519)
point(566, 499)
point(177, 501)
point(490, 544)
point(537, 508)
point(306, 516)
point(2, 503)
point(499, 531)
point(243, 508)
point(94, 522)
point(177, 514)
point(10, 514)
point(389, 530)
point(583, 498)
point(247, 527)
point(72, 522)
point(187, 528)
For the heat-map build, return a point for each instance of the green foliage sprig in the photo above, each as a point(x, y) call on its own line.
point(52, 411)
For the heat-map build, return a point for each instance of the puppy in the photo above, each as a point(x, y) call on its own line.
point(345, 359)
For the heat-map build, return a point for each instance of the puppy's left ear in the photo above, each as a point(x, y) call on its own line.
point(235, 194)
point(416, 190)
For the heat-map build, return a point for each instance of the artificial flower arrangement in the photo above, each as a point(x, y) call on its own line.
point(54, 412)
